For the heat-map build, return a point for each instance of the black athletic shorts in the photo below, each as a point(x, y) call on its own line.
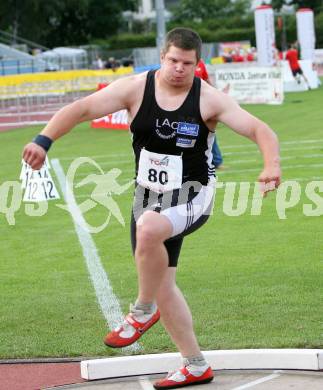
point(187, 209)
point(297, 71)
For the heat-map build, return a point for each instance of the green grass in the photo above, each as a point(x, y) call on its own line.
point(251, 281)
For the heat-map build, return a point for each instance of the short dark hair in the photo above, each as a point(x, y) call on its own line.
point(184, 38)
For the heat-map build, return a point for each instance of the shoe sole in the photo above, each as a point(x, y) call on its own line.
point(124, 345)
point(201, 382)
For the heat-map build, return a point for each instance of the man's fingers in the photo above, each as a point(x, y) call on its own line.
point(30, 157)
point(266, 186)
point(34, 156)
point(37, 162)
point(26, 154)
point(270, 180)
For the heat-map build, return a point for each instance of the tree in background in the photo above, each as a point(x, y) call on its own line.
point(209, 9)
point(80, 22)
point(290, 20)
point(60, 22)
point(315, 5)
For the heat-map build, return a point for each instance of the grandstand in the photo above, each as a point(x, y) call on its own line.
point(14, 56)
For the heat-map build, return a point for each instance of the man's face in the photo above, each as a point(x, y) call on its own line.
point(178, 66)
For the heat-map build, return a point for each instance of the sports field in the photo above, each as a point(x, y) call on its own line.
point(252, 281)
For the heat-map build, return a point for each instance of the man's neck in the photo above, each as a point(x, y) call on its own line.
point(162, 83)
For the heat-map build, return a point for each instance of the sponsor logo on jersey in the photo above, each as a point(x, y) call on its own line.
point(166, 129)
point(163, 162)
point(191, 129)
point(185, 142)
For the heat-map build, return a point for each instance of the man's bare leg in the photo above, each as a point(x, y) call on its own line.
point(151, 255)
point(176, 315)
point(152, 263)
point(177, 319)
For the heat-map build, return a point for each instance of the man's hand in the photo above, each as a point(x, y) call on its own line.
point(34, 155)
point(269, 179)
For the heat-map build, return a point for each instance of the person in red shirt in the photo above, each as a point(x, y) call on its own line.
point(295, 67)
point(203, 74)
point(238, 55)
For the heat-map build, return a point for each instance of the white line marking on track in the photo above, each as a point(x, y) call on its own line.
point(145, 383)
point(233, 162)
point(282, 149)
point(258, 381)
point(305, 141)
point(223, 147)
point(259, 168)
point(297, 179)
point(306, 179)
point(107, 300)
point(108, 155)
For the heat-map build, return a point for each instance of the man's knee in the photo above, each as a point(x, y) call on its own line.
point(152, 228)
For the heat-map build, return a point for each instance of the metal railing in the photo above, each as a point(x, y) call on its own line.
point(34, 110)
point(19, 66)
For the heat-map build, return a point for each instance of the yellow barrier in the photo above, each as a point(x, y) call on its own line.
point(217, 60)
point(57, 82)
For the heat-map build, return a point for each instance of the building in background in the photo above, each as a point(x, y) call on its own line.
point(147, 11)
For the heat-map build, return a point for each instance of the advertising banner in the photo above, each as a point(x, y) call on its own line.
point(228, 47)
point(251, 84)
point(117, 121)
point(50, 83)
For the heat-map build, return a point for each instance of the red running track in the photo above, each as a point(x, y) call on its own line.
point(36, 376)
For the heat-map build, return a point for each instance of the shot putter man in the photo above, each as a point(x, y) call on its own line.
point(172, 116)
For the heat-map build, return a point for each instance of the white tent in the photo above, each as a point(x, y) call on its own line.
point(64, 58)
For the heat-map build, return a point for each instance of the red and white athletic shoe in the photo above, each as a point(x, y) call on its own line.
point(186, 376)
point(134, 326)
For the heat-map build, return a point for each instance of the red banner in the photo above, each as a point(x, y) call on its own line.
point(118, 120)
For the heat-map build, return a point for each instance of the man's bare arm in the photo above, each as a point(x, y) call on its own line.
point(242, 122)
point(110, 99)
point(114, 97)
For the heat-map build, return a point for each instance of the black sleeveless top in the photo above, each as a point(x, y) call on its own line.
point(179, 132)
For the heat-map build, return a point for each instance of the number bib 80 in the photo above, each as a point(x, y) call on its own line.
point(159, 172)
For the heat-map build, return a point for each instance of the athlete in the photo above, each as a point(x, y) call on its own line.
point(173, 114)
point(295, 67)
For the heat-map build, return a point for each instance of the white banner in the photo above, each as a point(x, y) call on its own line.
point(251, 84)
point(306, 33)
point(265, 35)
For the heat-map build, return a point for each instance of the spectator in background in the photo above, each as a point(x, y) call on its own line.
point(99, 64)
point(279, 55)
point(238, 55)
point(295, 67)
point(127, 61)
point(251, 54)
point(112, 63)
point(203, 74)
point(227, 57)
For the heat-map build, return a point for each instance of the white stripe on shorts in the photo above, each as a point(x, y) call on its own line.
point(185, 214)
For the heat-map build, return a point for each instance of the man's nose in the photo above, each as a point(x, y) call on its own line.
point(179, 67)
